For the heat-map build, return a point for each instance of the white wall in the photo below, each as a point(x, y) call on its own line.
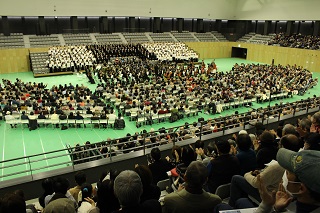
point(207, 9)
point(277, 10)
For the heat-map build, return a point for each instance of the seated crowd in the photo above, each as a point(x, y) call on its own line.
point(255, 165)
point(156, 88)
point(58, 103)
point(151, 89)
point(145, 139)
point(296, 41)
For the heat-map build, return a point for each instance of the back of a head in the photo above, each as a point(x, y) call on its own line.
point(313, 141)
point(80, 178)
point(105, 189)
point(243, 132)
point(61, 185)
point(106, 196)
point(223, 147)
point(244, 142)
point(267, 139)
point(128, 188)
point(199, 144)
point(12, 202)
point(47, 185)
point(288, 129)
point(196, 175)
point(20, 193)
point(279, 131)
point(305, 124)
point(259, 128)
point(145, 174)
point(188, 155)
point(290, 142)
point(113, 174)
point(211, 147)
point(86, 190)
point(156, 154)
point(316, 118)
point(64, 205)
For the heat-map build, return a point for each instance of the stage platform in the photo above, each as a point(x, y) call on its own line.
point(52, 74)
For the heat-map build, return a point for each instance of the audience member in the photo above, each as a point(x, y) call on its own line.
point(159, 167)
point(245, 154)
point(64, 205)
point(267, 150)
point(205, 156)
point(128, 189)
point(106, 200)
point(191, 197)
point(312, 142)
point(60, 188)
point(300, 183)
point(223, 167)
point(47, 186)
point(150, 190)
point(84, 198)
point(80, 178)
point(315, 120)
point(242, 187)
point(12, 202)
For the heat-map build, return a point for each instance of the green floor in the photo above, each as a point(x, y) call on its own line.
point(19, 142)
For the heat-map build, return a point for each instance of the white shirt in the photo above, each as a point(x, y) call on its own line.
point(85, 207)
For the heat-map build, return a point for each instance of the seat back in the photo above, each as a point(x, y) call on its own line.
point(162, 184)
point(223, 191)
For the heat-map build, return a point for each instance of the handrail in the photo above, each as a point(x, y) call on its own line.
point(56, 156)
point(15, 173)
point(57, 164)
point(12, 165)
point(35, 155)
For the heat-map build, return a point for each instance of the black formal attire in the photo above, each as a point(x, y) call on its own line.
point(221, 169)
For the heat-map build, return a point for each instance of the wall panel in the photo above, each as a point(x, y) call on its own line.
point(31, 25)
point(14, 60)
point(93, 23)
point(15, 25)
point(51, 24)
point(282, 55)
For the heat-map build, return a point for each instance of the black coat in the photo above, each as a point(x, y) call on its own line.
point(159, 170)
point(222, 168)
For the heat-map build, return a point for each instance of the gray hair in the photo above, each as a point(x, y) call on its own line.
point(316, 118)
point(288, 129)
point(305, 124)
point(128, 188)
